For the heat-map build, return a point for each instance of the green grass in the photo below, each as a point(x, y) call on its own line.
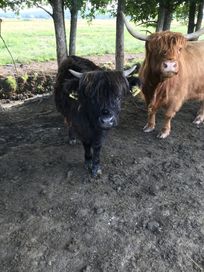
point(35, 41)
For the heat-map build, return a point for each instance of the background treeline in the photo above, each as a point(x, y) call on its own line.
point(158, 14)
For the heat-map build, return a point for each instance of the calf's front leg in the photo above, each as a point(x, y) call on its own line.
point(96, 170)
point(87, 156)
point(92, 162)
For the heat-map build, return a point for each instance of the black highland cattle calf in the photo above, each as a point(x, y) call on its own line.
point(90, 100)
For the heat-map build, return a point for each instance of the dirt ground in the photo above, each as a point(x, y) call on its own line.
point(145, 214)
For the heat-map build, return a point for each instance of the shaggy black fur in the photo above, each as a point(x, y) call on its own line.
point(91, 104)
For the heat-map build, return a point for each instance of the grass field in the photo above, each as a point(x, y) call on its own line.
point(35, 41)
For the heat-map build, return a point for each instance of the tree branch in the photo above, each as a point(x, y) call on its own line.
point(146, 22)
point(37, 5)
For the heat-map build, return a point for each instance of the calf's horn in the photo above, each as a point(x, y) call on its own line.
point(135, 34)
point(194, 35)
point(75, 73)
point(129, 71)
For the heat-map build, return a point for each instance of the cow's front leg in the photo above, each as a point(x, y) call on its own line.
point(150, 126)
point(96, 170)
point(87, 156)
point(166, 129)
point(169, 114)
point(200, 115)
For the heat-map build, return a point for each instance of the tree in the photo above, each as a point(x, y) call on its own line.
point(191, 12)
point(200, 15)
point(166, 10)
point(142, 11)
point(153, 13)
point(57, 15)
point(195, 15)
point(73, 27)
point(161, 17)
point(88, 13)
point(119, 54)
point(191, 16)
point(59, 25)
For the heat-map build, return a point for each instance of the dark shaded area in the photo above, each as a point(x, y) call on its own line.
point(144, 214)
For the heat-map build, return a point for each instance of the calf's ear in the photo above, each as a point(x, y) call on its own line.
point(75, 73)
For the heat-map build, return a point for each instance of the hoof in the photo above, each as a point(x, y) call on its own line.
point(96, 173)
point(198, 120)
point(163, 135)
point(72, 141)
point(88, 164)
point(147, 128)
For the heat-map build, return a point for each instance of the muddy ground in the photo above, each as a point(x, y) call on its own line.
point(145, 214)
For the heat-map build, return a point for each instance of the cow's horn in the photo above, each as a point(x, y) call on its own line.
point(75, 73)
point(194, 35)
point(135, 34)
point(126, 73)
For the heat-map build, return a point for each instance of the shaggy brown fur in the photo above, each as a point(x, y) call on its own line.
point(170, 92)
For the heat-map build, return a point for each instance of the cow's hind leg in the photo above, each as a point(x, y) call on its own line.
point(200, 115)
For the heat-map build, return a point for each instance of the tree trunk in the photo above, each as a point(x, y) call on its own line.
point(167, 19)
point(119, 56)
point(200, 15)
point(160, 21)
point(191, 17)
point(59, 25)
point(73, 29)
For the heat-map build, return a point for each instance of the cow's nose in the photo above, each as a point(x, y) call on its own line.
point(106, 120)
point(169, 66)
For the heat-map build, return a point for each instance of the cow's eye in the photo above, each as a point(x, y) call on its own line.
point(179, 50)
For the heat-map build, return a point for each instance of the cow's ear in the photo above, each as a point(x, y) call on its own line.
point(75, 73)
